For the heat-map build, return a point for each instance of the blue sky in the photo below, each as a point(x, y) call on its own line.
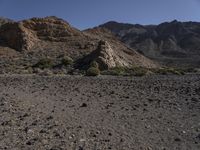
point(89, 13)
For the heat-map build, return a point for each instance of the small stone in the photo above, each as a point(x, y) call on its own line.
point(80, 148)
point(82, 140)
point(44, 141)
point(50, 117)
point(177, 139)
point(110, 134)
point(84, 105)
point(30, 131)
point(198, 137)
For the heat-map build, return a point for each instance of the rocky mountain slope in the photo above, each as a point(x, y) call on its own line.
point(4, 20)
point(24, 43)
point(175, 43)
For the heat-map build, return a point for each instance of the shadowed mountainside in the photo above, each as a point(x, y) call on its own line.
point(173, 43)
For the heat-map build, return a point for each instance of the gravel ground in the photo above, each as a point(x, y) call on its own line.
point(100, 113)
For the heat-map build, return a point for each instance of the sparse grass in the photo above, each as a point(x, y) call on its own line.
point(166, 71)
point(138, 71)
point(124, 71)
point(141, 71)
point(189, 70)
point(117, 71)
point(94, 70)
point(44, 63)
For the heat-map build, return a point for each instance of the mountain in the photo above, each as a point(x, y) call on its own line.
point(4, 20)
point(172, 43)
point(24, 43)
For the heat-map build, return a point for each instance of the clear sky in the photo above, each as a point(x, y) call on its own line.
point(89, 13)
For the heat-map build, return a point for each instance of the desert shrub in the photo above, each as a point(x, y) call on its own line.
point(119, 70)
point(161, 71)
point(93, 71)
point(138, 71)
point(116, 71)
point(183, 70)
point(179, 71)
point(189, 70)
point(66, 61)
point(30, 70)
point(44, 63)
point(94, 64)
point(165, 71)
point(125, 71)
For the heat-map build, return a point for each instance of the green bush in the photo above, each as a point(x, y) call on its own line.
point(117, 71)
point(188, 70)
point(92, 71)
point(94, 64)
point(161, 71)
point(138, 71)
point(66, 61)
point(44, 63)
point(165, 71)
point(178, 72)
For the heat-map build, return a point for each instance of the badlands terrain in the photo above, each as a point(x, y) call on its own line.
point(99, 113)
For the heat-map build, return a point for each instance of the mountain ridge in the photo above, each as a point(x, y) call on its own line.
point(173, 41)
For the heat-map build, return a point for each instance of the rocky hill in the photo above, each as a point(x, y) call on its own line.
point(173, 43)
point(4, 20)
point(24, 43)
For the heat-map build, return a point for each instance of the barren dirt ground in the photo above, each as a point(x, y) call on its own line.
point(100, 113)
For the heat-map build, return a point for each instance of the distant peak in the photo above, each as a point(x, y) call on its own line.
point(175, 21)
point(5, 21)
point(52, 17)
point(111, 22)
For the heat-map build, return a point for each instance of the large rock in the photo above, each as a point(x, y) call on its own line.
point(51, 28)
point(23, 35)
point(16, 36)
point(105, 56)
point(113, 53)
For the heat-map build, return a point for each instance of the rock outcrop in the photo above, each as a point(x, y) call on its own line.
point(51, 29)
point(16, 36)
point(105, 56)
point(24, 34)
